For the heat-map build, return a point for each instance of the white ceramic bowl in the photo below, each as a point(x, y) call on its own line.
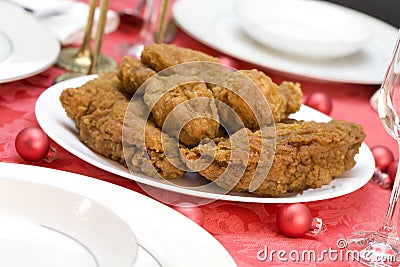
point(307, 28)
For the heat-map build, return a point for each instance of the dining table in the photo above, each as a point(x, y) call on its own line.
point(247, 230)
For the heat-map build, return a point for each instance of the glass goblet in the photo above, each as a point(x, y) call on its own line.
point(155, 19)
point(382, 247)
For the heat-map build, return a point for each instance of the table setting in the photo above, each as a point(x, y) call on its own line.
point(84, 184)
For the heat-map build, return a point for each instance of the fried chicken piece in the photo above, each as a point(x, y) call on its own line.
point(282, 100)
point(101, 129)
point(76, 101)
point(99, 117)
point(162, 56)
point(98, 109)
point(292, 95)
point(307, 155)
point(149, 150)
point(132, 73)
point(188, 105)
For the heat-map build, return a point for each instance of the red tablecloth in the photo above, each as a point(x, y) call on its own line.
point(244, 229)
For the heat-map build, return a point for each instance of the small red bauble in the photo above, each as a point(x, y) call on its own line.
point(320, 101)
point(32, 144)
point(294, 220)
point(392, 170)
point(383, 157)
point(191, 211)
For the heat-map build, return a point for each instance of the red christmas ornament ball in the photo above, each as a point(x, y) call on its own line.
point(392, 170)
point(320, 101)
point(32, 144)
point(294, 220)
point(383, 157)
point(191, 211)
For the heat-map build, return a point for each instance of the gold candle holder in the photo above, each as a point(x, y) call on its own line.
point(81, 60)
point(162, 22)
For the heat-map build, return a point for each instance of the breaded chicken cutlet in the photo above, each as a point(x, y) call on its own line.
point(282, 100)
point(162, 56)
point(196, 115)
point(307, 155)
point(132, 73)
point(98, 109)
point(146, 148)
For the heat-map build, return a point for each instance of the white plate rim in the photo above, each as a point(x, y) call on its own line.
point(142, 214)
point(355, 69)
point(28, 56)
point(52, 124)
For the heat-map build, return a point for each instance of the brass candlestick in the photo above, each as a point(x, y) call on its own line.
point(162, 22)
point(81, 60)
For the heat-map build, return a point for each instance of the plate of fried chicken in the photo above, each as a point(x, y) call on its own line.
point(178, 121)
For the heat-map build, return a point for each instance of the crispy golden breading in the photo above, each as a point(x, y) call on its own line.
point(292, 95)
point(195, 119)
point(140, 158)
point(154, 162)
point(162, 56)
point(282, 100)
point(76, 101)
point(132, 74)
point(99, 116)
point(308, 155)
point(98, 109)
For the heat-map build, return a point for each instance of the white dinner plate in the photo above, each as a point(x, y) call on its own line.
point(26, 47)
point(51, 226)
point(184, 243)
point(215, 24)
point(54, 121)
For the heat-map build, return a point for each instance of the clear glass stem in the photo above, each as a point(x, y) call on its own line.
point(146, 34)
point(382, 247)
point(389, 226)
point(149, 22)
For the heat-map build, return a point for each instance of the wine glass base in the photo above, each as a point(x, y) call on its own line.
point(374, 248)
point(136, 50)
point(68, 60)
point(130, 49)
